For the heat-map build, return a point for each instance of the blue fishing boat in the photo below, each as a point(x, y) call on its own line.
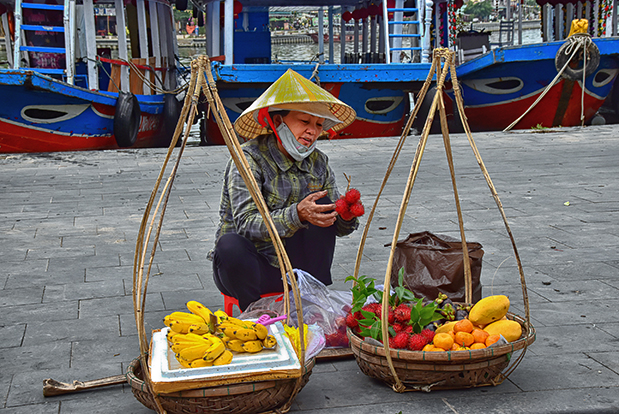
point(66, 94)
point(389, 57)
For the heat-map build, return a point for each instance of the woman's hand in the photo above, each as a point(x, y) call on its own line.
point(321, 215)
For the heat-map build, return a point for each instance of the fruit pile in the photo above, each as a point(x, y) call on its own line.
point(485, 325)
point(349, 205)
point(434, 327)
point(203, 338)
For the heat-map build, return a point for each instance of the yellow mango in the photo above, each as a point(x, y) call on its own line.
point(511, 330)
point(489, 309)
point(446, 327)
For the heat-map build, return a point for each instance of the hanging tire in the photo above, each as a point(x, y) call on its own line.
point(593, 60)
point(171, 114)
point(126, 119)
point(181, 5)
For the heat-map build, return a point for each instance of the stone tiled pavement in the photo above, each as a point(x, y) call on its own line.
point(70, 221)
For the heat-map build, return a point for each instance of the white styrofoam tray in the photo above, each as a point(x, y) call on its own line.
point(165, 367)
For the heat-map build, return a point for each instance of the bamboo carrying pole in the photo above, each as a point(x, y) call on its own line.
point(442, 64)
point(202, 81)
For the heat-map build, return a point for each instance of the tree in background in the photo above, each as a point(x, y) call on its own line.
point(480, 9)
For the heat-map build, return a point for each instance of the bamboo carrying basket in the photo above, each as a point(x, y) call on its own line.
point(249, 395)
point(418, 370)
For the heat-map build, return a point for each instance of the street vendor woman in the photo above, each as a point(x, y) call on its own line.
point(282, 127)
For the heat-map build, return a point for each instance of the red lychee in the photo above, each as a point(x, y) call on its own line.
point(428, 334)
point(398, 327)
point(352, 320)
point(341, 206)
point(403, 313)
point(357, 209)
point(417, 342)
point(400, 341)
point(352, 196)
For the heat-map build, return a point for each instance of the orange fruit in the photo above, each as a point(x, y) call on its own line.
point(462, 348)
point(478, 345)
point(428, 347)
point(452, 334)
point(464, 338)
point(480, 335)
point(463, 325)
point(492, 339)
point(443, 340)
point(455, 347)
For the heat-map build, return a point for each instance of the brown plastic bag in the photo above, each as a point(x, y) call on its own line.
point(434, 264)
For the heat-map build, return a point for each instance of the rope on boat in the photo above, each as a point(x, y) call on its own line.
point(576, 42)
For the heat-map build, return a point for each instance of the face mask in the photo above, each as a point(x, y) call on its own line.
point(296, 150)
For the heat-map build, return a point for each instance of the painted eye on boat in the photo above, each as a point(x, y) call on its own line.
point(495, 86)
point(382, 104)
point(603, 77)
point(47, 114)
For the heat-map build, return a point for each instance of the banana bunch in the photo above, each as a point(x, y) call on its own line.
point(201, 338)
point(193, 350)
point(244, 336)
point(192, 337)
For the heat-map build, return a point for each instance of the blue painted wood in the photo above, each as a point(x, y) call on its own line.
point(32, 27)
point(43, 49)
point(38, 6)
point(371, 73)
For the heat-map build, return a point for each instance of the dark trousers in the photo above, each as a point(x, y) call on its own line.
point(243, 273)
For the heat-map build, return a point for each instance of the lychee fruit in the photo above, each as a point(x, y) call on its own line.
point(357, 209)
point(400, 341)
point(341, 206)
point(428, 334)
point(352, 196)
point(352, 320)
point(403, 313)
point(417, 342)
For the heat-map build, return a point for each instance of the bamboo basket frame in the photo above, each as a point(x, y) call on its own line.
point(202, 81)
point(442, 64)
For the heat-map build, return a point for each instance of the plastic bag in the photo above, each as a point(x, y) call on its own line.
point(434, 264)
point(322, 306)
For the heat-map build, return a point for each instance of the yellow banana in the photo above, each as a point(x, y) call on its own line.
point(221, 316)
point(185, 317)
point(188, 338)
point(252, 346)
point(193, 352)
point(223, 359)
point(269, 341)
point(180, 327)
point(178, 347)
point(214, 351)
point(245, 334)
point(235, 345)
point(184, 364)
point(261, 331)
point(205, 313)
point(241, 323)
point(199, 363)
point(199, 329)
point(229, 331)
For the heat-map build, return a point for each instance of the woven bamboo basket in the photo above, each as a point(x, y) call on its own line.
point(246, 398)
point(424, 371)
point(249, 395)
point(439, 370)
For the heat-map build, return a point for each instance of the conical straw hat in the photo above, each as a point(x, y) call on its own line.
point(293, 92)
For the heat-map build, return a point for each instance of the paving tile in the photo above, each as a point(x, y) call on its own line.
point(40, 312)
